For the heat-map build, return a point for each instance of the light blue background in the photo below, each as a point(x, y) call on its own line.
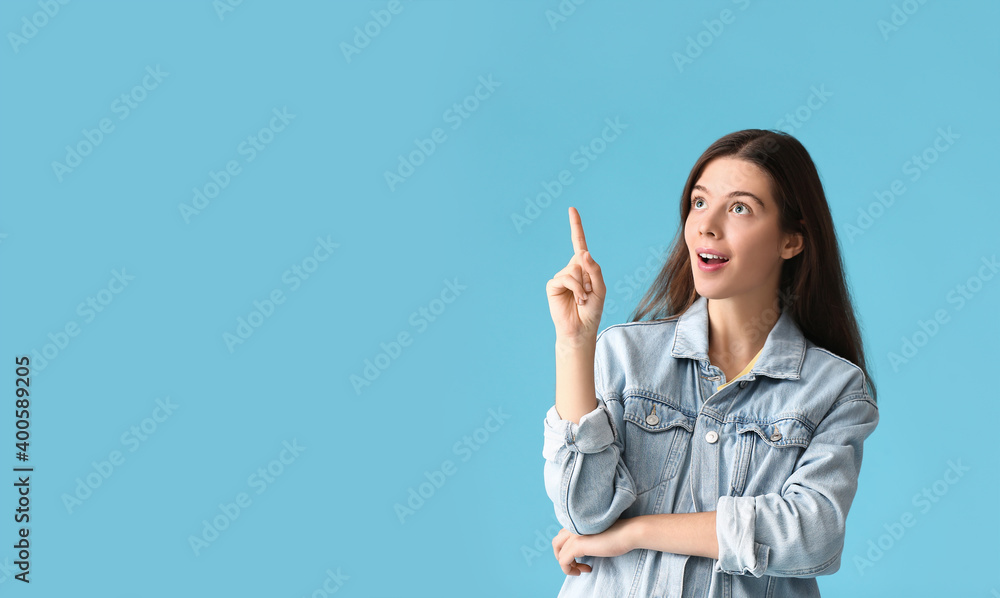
point(332, 507)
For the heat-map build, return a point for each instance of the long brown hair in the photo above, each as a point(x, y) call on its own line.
point(813, 286)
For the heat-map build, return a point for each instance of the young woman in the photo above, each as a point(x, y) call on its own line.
point(713, 450)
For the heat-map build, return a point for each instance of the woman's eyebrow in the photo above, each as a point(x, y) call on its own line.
point(734, 194)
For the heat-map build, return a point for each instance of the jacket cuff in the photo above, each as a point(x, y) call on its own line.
point(593, 434)
point(735, 524)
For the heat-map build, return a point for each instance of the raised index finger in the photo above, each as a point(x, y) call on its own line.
point(576, 231)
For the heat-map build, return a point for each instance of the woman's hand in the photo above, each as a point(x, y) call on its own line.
point(576, 293)
point(614, 541)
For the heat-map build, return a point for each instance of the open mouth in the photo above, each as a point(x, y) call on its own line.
point(712, 260)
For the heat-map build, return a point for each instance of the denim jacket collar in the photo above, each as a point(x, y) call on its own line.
point(782, 356)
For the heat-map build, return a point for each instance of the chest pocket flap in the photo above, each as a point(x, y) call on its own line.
point(767, 452)
point(655, 416)
point(787, 431)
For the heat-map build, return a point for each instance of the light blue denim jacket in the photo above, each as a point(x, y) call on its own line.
point(776, 455)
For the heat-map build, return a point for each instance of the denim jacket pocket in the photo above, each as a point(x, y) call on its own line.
point(767, 450)
point(657, 437)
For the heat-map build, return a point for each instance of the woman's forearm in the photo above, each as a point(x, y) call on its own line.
point(679, 533)
point(575, 394)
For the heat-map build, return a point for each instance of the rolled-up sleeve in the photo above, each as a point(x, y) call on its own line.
point(584, 473)
point(593, 434)
point(799, 532)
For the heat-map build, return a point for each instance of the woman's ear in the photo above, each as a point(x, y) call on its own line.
point(794, 244)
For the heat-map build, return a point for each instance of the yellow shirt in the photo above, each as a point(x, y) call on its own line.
point(745, 370)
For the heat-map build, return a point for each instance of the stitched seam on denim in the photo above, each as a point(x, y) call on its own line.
point(619, 458)
point(847, 361)
point(762, 552)
point(744, 465)
point(661, 493)
point(669, 425)
point(810, 570)
point(611, 424)
point(801, 441)
point(643, 393)
point(640, 323)
point(638, 570)
point(715, 415)
point(778, 417)
point(776, 375)
point(614, 396)
point(627, 324)
point(674, 458)
point(566, 478)
point(785, 441)
point(656, 486)
point(863, 397)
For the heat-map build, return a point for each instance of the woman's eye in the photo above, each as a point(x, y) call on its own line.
point(742, 207)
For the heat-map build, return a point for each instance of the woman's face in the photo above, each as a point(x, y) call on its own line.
point(734, 215)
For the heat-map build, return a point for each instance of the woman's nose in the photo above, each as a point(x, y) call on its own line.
point(709, 224)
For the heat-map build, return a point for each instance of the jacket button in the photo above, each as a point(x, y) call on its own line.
point(652, 419)
point(711, 437)
point(776, 436)
point(743, 384)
